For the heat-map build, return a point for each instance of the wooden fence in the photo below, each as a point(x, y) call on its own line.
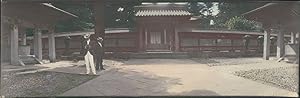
point(195, 41)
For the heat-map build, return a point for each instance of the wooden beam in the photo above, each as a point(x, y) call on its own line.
point(51, 43)
point(14, 53)
point(177, 44)
point(35, 13)
point(266, 51)
point(280, 44)
point(37, 44)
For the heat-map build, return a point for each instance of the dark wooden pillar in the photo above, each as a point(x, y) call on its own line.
point(173, 36)
point(176, 38)
point(99, 18)
point(141, 39)
point(232, 45)
point(169, 36)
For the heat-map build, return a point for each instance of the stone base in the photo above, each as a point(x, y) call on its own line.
point(24, 50)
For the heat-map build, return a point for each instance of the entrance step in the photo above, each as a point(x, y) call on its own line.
point(159, 51)
point(160, 54)
point(147, 55)
point(29, 59)
point(291, 59)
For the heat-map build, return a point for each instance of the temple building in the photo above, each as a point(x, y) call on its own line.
point(16, 17)
point(166, 28)
point(158, 28)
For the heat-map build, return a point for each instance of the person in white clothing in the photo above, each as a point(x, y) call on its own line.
point(89, 58)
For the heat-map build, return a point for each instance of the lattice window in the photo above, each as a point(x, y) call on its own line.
point(224, 42)
point(126, 42)
point(207, 42)
point(238, 42)
point(189, 42)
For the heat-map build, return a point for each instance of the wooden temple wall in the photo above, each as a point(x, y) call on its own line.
point(189, 42)
point(199, 42)
point(114, 42)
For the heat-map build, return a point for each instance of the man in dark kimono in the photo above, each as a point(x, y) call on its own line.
point(67, 45)
point(246, 41)
point(260, 41)
point(99, 53)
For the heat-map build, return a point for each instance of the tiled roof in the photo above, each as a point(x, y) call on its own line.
point(163, 12)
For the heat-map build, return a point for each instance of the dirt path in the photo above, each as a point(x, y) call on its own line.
point(137, 77)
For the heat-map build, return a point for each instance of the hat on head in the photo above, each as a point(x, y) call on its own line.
point(86, 36)
point(99, 38)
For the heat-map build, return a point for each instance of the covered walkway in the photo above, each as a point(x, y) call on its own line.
point(19, 16)
point(283, 19)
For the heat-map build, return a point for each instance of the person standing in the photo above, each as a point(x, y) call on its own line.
point(247, 41)
point(88, 52)
point(67, 45)
point(260, 40)
point(99, 53)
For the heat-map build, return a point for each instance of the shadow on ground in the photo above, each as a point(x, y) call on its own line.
point(40, 84)
point(200, 93)
point(120, 82)
point(222, 61)
point(205, 60)
point(159, 62)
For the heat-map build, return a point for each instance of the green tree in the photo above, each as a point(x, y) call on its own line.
point(202, 9)
point(120, 14)
point(195, 8)
point(84, 20)
point(242, 24)
point(117, 14)
point(227, 10)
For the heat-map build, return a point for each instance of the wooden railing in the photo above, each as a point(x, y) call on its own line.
point(215, 45)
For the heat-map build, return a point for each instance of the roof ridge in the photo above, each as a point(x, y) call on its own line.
point(163, 12)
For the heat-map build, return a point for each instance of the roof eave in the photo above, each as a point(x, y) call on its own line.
point(55, 8)
point(259, 8)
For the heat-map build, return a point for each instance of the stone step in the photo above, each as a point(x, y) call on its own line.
point(158, 51)
point(291, 59)
point(166, 55)
point(29, 59)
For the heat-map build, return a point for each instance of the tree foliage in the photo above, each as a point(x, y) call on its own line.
point(227, 10)
point(120, 15)
point(83, 22)
point(242, 24)
point(116, 15)
point(202, 9)
point(195, 8)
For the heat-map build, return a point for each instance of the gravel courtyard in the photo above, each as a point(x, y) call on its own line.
point(222, 61)
point(278, 74)
point(283, 77)
point(39, 84)
point(152, 77)
point(45, 80)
